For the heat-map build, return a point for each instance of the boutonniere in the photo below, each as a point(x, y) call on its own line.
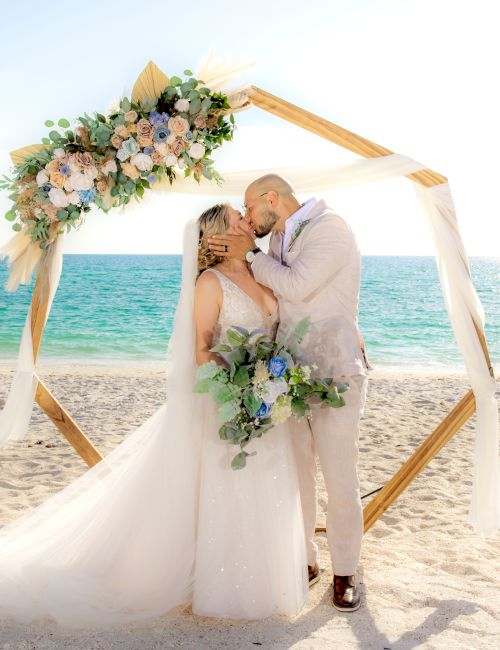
point(297, 232)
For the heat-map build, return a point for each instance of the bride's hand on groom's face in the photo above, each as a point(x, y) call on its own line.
point(235, 245)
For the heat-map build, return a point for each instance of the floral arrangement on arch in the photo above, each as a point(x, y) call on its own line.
point(108, 159)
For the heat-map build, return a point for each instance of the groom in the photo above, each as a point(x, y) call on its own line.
point(313, 267)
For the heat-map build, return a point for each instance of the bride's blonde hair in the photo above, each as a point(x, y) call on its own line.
point(213, 221)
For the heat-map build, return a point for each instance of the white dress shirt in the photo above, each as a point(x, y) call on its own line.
point(294, 221)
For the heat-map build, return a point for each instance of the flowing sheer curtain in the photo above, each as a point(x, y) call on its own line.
point(461, 300)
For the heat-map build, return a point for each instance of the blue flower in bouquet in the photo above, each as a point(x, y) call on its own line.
point(188, 136)
point(156, 118)
point(277, 367)
point(161, 134)
point(151, 178)
point(264, 410)
point(65, 169)
point(47, 187)
point(148, 150)
point(87, 196)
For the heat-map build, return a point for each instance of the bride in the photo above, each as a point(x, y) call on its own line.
point(163, 520)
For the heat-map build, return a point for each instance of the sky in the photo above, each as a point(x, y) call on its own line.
point(416, 76)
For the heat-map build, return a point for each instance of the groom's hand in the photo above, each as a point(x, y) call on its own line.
point(235, 246)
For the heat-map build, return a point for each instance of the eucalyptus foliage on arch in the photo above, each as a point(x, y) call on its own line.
point(106, 160)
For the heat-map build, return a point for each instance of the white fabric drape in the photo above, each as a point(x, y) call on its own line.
point(461, 300)
point(16, 414)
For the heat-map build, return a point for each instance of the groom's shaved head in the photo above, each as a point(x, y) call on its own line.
point(270, 182)
point(269, 200)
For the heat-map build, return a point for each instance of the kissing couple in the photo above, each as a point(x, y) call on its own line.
point(163, 520)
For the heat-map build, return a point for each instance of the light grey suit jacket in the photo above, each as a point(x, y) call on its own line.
point(319, 277)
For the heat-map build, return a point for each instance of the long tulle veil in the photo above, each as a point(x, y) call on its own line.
point(118, 543)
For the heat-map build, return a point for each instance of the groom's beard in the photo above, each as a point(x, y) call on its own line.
point(269, 220)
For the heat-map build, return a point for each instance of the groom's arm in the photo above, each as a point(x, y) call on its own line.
point(328, 247)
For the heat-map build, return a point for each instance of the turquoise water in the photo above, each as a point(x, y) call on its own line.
point(118, 309)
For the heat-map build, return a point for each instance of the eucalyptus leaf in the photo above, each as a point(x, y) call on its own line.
point(240, 460)
point(228, 411)
point(49, 123)
point(63, 123)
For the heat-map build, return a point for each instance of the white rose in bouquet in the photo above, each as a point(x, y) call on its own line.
point(271, 390)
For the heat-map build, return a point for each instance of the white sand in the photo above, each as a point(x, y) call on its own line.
point(427, 580)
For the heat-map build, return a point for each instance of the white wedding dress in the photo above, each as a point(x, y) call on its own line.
point(163, 520)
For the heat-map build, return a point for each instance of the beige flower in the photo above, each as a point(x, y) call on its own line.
point(182, 105)
point(52, 166)
point(145, 128)
point(157, 157)
point(57, 179)
point(101, 185)
point(130, 170)
point(116, 141)
point(200, 122)
point(42, 177)
point(178, 125)
point(142, 161)
point(84, 159)
point(131, 116)
point(170, 160)
point(178, 147)
point(162, 148)
point(122, 131)
point(132, 128)
point(109, 167)
point(145, 142)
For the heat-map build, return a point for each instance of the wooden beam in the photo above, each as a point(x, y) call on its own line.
point(66, 425)
point(47, 402)
point(455, 419)
point(333, 132)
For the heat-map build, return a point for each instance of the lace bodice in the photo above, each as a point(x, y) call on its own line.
point(240, 310)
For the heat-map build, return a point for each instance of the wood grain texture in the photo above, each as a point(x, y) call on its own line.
point(333, 132)
point(455, 419)
point(66, 425)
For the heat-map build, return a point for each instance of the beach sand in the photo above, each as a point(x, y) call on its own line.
point(427, 581)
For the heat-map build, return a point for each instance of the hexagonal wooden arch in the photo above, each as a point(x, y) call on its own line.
point(255, 96)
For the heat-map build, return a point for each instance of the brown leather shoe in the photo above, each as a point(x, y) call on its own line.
point(313, 574)
point(345, 594)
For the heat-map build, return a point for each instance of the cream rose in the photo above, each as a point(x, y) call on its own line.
point(109, 167)
point(142, 161)
point(80, 181)
point(171, 160)
point(84, 159)
point(59, 153)
point(116, 141)
point(42, 177)
point(196, 151)
point(57, 179)
point(130, 116)
point(178, 125)
point(200, 122)
point(74, 198)
point(177, 148)
point(122, 131)
point(130, 170)
point(145, 128)
point(58, 197)
point(157, 158)
point(181, 105)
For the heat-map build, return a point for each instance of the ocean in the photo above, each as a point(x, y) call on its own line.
point(119, 309)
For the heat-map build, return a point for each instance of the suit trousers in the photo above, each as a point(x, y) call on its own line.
point(332, 434)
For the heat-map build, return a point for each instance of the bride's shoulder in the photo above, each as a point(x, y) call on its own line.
point(208, 282)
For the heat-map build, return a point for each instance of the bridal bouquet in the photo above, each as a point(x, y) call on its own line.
point(265, 384)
